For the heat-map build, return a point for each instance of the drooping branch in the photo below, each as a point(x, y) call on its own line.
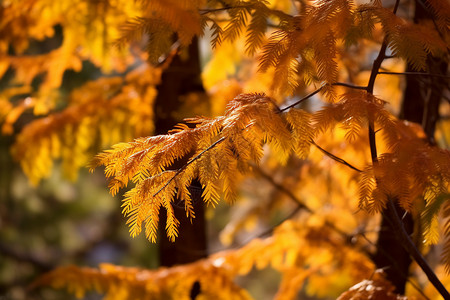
point(348, 85)
point(335, 158)
point(351, 86)
point(303, 99)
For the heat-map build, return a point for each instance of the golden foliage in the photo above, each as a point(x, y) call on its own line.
point(215, 151)
point(421, 171)
point(304, 49)
point(104, 111)
point(296, 250)
point(167, 18)
point(88, 29)
point(305, 46)
point(354, 110)
point(409, 41)
point(302, 131)
point(441, 11)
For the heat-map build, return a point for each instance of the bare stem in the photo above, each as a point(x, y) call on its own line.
point(351, 86)
point(348, 85)
point(303, 99)
point(334, 157)
point(415, 74)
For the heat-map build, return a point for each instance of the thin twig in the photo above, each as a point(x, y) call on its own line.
point(334, 157)
point(414, 74)
point(303, 99)
point(351, 86)
point(188, 163)
point(348, 85)
point(283, 189)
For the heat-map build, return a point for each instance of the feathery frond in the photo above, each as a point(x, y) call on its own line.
point(315, 31)
point(257, 28)
point(302, 131)
point(94, 114)
point(287, 252)
point(216, 150)
point(411, 41)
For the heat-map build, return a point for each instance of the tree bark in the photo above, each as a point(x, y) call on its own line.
point(180, 78)
point(420, 104)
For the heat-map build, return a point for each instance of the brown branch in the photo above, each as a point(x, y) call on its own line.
point(303, 99)
point(351, 86)
point(409, 245)
point(414, 74)
point(334, 157)
point(348, 85)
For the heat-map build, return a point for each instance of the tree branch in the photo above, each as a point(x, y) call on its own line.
point(396, 266)
point(348, 85)
point(351, 86)
point(303, 99)
point(334, 157)
point(408, 244)
point(414, 74)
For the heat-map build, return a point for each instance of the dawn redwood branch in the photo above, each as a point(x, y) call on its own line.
point(351, 86)
point(303, 99)
point(178, 171)
point(414, 74)
point(409, 245)
point(348, 85)
point(334, 157)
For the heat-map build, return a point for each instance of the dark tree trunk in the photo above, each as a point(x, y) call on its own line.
point(420, 104)
point(390, 254)
point(180, 78)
